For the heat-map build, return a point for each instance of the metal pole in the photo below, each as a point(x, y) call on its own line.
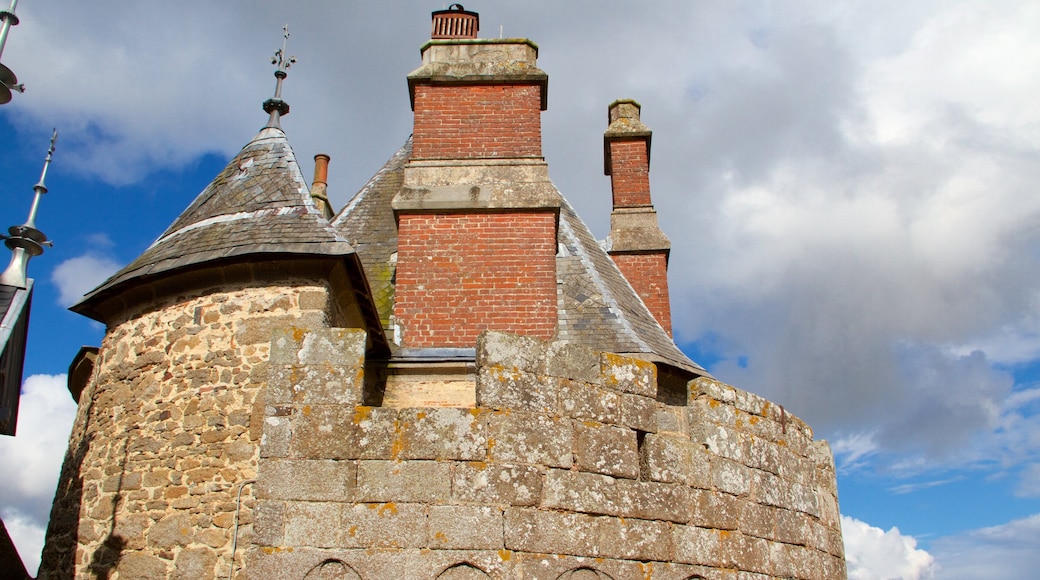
point(9, 19)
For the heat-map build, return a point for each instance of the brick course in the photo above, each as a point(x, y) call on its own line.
point(477, 121)
point(461, 274)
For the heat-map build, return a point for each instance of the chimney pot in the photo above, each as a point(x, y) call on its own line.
point(455, 22)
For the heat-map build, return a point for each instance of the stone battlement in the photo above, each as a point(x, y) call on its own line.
point(568, 467)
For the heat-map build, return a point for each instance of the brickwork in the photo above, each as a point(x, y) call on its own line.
point(167, 430)
point(459, 274)
point(568, 467)
point(648, 275)
point(630, 175)
point(477, 121)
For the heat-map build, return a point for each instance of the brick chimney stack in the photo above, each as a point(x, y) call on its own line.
point(477, 215)
point(637, 245)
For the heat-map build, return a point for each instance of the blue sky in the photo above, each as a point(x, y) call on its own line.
point(849, 190)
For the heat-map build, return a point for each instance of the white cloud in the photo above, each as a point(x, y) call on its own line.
point(31, 461)
point(77, 276)
point(1004, 551)
point(874, 554)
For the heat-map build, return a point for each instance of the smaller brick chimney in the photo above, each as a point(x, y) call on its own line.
point(637, 245)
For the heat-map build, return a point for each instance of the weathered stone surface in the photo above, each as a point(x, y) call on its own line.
point(574, 362)
point(317, 480)
point(639, 412)
point(175, 529)
point(629, 375)
point(674, 459)
point(588, 402)
point(496, 484)
point(575, 491)
point(510, 351)
point(383, 525)
point(512, 389)
point(435, 433)
point(313, 524)
point(606, 449)
point(465, 528)
point(141, 566)
point(194, 563)
point(654, 501)
point(529, 438)
point(403, 481)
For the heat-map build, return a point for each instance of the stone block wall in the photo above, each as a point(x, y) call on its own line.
point(568, 467)
point(168, 431)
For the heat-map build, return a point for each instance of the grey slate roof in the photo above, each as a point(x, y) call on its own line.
point(597, 307)
point(259, 204)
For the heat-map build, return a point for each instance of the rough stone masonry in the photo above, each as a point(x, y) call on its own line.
point(568, 467)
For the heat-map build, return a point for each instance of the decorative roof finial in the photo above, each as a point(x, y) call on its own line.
point(25, 240)
point(8, 81)
point(276, 107)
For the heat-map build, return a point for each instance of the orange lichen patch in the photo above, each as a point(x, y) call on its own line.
point(387, 508)
point(478, 465)
point(724, 534)
point(592, 424)
point(298, 333)
point(306, 410)
point(362, 413)
point(475, 412)
point(440, 536)
point(352, 531)
point(753, 420)
point(648, 570)
point(781, 442)
point(420, 415)
point(505, 555)
point(713, 403)
point(397, 446)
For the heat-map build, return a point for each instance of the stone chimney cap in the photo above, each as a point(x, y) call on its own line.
point(455, 22)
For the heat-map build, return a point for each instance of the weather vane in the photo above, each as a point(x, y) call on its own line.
point(276, 107)
point(25, 240)
point(8, 80)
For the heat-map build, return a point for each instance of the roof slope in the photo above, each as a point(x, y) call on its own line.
point(259, 204)
point(597, 307)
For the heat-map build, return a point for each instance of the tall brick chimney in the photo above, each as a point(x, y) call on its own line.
point(477, 215)
point(637, 245)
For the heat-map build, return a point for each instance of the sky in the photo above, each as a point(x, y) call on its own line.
point(849, 188)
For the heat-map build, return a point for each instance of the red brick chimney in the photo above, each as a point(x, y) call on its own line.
point(637, 245)
point(477, 214)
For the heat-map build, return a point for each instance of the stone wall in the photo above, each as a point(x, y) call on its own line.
point(168, 430)
point(568, 467)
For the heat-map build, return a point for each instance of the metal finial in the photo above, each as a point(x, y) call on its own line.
point(25, 240)
point(276, 107)
point(8, 80)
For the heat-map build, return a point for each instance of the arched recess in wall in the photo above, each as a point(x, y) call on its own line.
point(584, 573)
point(463, 571)
point(332, 570)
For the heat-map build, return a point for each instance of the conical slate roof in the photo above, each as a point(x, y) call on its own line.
point(259, 204)
point(597, 306)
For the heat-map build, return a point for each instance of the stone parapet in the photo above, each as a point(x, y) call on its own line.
point(567, 467)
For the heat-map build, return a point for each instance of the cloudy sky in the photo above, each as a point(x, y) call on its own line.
point(850, 191)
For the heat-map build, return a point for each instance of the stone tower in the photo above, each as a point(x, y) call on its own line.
point(450, 378)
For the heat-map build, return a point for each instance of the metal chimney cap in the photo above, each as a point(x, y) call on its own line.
point(455, 22)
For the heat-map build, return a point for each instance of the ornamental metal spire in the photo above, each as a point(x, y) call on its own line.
point(276, 106)
point(25, 240)
point(8, 80)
